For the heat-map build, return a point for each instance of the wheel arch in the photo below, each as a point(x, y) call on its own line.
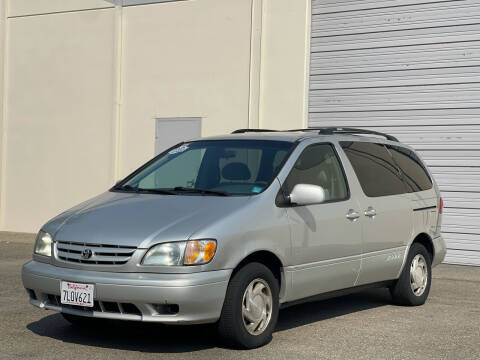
point(271, 261)
point(421, 238)
point(426, 241)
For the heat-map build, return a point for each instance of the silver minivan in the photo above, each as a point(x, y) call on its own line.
point(229, 229)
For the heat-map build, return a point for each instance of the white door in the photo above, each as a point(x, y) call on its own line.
point(412, 69)
point(171, 131)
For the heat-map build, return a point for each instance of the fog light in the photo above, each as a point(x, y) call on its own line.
point(166, 309)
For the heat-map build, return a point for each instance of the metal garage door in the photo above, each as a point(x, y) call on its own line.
point(410, 68)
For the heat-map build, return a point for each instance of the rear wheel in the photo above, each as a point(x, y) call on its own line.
point(413, 286)
point(250, 310)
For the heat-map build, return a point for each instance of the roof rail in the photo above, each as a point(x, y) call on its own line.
point(324, 131)
point(348, 130)
point(243, 131)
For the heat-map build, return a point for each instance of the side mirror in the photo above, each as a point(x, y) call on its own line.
point(307, 194)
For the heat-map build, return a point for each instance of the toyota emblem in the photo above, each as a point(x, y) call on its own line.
point(87, 254)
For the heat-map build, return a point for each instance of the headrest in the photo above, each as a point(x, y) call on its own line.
point(236, 171)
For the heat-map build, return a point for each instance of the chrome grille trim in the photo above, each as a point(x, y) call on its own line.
point(102, 254)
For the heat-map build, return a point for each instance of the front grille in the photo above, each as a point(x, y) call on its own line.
point(99, 306)
point(95, 254)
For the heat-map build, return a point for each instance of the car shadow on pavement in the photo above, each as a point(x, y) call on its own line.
point(311, 312)
point(157, 338)
point(126, 335)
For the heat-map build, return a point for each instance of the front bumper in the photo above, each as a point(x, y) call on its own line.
point(199, 296)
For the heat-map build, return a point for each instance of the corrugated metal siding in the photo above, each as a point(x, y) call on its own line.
point(410, 68)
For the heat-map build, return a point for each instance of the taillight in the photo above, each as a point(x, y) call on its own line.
point(440, 206)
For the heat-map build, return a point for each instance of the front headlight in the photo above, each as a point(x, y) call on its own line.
point(43, 244)
point(167, 254)
point(193, 252)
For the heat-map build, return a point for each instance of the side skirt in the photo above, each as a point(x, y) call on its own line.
point(337, 293)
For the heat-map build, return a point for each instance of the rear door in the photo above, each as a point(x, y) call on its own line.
point(385, 208)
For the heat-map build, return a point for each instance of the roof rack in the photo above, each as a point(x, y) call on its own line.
point(324, 131)
point(243, 131)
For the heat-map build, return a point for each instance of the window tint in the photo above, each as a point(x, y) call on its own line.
point(237, 167)
point(319, 165)
point(375, 169)
point(182, 171)
point(414, 173)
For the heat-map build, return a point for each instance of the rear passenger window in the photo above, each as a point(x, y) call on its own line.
point(375, 169)
point(318, 165)
point(414, 173)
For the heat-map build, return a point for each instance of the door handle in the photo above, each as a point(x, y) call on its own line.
point(352, 215)
point(370, 212)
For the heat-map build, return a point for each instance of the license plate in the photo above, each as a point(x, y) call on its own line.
point(76, 294)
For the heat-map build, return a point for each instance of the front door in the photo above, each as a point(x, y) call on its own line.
point(326, 237)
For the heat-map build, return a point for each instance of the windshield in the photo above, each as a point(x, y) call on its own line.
point(211, 167)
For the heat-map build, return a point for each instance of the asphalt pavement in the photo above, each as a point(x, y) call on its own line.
point(364, 325)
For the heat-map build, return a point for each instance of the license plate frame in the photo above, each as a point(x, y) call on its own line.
point(77, 294)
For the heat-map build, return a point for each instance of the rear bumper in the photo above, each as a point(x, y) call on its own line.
point(199, 296)
point(440, 250)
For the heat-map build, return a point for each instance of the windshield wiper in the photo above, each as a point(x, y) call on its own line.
point(199, 191)
point(135, 189)
point(156, 191)
point(173, 191)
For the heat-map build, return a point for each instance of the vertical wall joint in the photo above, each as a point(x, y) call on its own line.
point(255, 64)
point(117, 86)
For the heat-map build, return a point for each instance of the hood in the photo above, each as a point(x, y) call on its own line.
point(140, 220)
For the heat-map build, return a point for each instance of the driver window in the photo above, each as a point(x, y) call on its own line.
point(318, 165)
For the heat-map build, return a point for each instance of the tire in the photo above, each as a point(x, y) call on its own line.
point(234, 327)
point(411, 289)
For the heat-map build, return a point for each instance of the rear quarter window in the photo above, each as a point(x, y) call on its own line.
point(414, 172)
point(375, 169)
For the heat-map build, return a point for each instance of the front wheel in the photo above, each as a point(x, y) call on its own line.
point(413, 286)
point(250, 310)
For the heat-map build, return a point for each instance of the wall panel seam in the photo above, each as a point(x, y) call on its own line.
point(60, 12)
point(256, 33)
point(308, 51)
point(117, 89)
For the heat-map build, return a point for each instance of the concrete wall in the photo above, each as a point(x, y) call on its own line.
point(183, 59)
point(86, 79)
point(285, 64)
point(59, 145)
point(3, 37)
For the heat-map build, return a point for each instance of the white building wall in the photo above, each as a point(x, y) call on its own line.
point(37, 7)
point(285, 64)
point(3, 36)
point(85, 80)
point(183, 59)
point(59, 114)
